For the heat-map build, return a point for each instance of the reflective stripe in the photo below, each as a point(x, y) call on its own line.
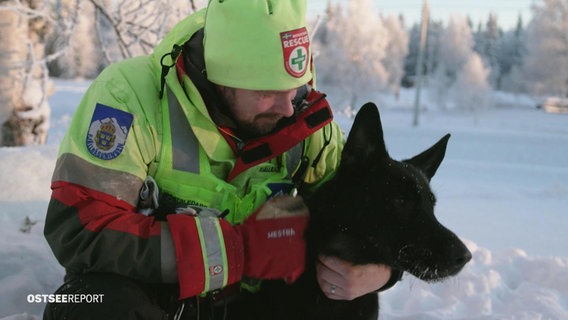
point(214, 256)
point(185, 147)
point(293, 157)
point(168, 256)
point(73, 169)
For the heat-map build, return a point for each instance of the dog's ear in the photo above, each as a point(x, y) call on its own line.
point(429, 160)
point(365, 141)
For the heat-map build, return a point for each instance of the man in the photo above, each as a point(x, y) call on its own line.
point(172, 186)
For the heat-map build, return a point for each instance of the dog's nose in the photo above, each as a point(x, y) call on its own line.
point(462, 255)
point(463, 259)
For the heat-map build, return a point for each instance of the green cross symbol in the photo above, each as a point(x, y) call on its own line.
point(299, 59)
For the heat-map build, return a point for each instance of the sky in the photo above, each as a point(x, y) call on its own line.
point(507, 10)
point(502, 188)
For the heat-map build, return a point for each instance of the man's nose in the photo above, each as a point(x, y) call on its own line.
point(283, 105)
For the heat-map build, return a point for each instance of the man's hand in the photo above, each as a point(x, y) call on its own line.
point(273, 239)
point(267, 245)
point(341, 280)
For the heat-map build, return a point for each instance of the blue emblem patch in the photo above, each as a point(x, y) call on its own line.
point(278, 189)
point(108, 131)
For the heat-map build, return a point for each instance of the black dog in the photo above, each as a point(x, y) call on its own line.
point(375, 210)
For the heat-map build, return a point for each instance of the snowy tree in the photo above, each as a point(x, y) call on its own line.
point(133, 27)
point(326, 45)
point(352, 57)
point(471, 91)
point(487, 45)
point(433, 40)
point(396, 51)
point(108, 31)
point(124, 29)
point(82, 54)
point(431, 53)
point(512, 50)
point(321, 38)
point(24, 81)
point(455, 47)
point(459, 66)
point(546, 63)
point(411, 58)
point(363, 42)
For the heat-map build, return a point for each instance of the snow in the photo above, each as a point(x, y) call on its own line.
point(503, 188)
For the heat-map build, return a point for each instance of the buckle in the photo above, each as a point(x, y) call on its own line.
point(221, 296)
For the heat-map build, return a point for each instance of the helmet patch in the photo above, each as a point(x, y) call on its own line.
point(295, 45)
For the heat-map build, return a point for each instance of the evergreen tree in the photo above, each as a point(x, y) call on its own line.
point(487, 40)
point(510, 57)
point(411, 58)
point(491, 42)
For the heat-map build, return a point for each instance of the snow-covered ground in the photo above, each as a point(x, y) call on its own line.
point(503, 188)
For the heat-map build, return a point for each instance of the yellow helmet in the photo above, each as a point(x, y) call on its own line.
point(257, 44)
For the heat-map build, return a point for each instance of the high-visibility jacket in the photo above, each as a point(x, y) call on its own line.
point(124, 131)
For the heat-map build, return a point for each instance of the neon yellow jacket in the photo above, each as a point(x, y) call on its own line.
point(120, 134)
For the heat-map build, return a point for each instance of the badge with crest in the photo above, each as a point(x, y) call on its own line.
point(108, 131)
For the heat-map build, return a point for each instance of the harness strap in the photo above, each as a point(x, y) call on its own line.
point(314, 115)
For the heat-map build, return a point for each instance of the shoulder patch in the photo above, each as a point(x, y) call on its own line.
point(108, 131)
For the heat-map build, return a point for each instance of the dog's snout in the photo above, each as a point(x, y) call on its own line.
point(463, 258)
point(461, 255)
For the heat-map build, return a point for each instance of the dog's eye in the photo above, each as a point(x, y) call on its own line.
point(403, 208)
point(401, 204)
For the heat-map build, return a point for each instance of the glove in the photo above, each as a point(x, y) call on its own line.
point(273, 239)
point(211, 253)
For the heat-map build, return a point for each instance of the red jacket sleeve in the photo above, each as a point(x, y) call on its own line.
point(90, 231)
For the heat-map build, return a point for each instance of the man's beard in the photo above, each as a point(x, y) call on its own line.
point(261, 125)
